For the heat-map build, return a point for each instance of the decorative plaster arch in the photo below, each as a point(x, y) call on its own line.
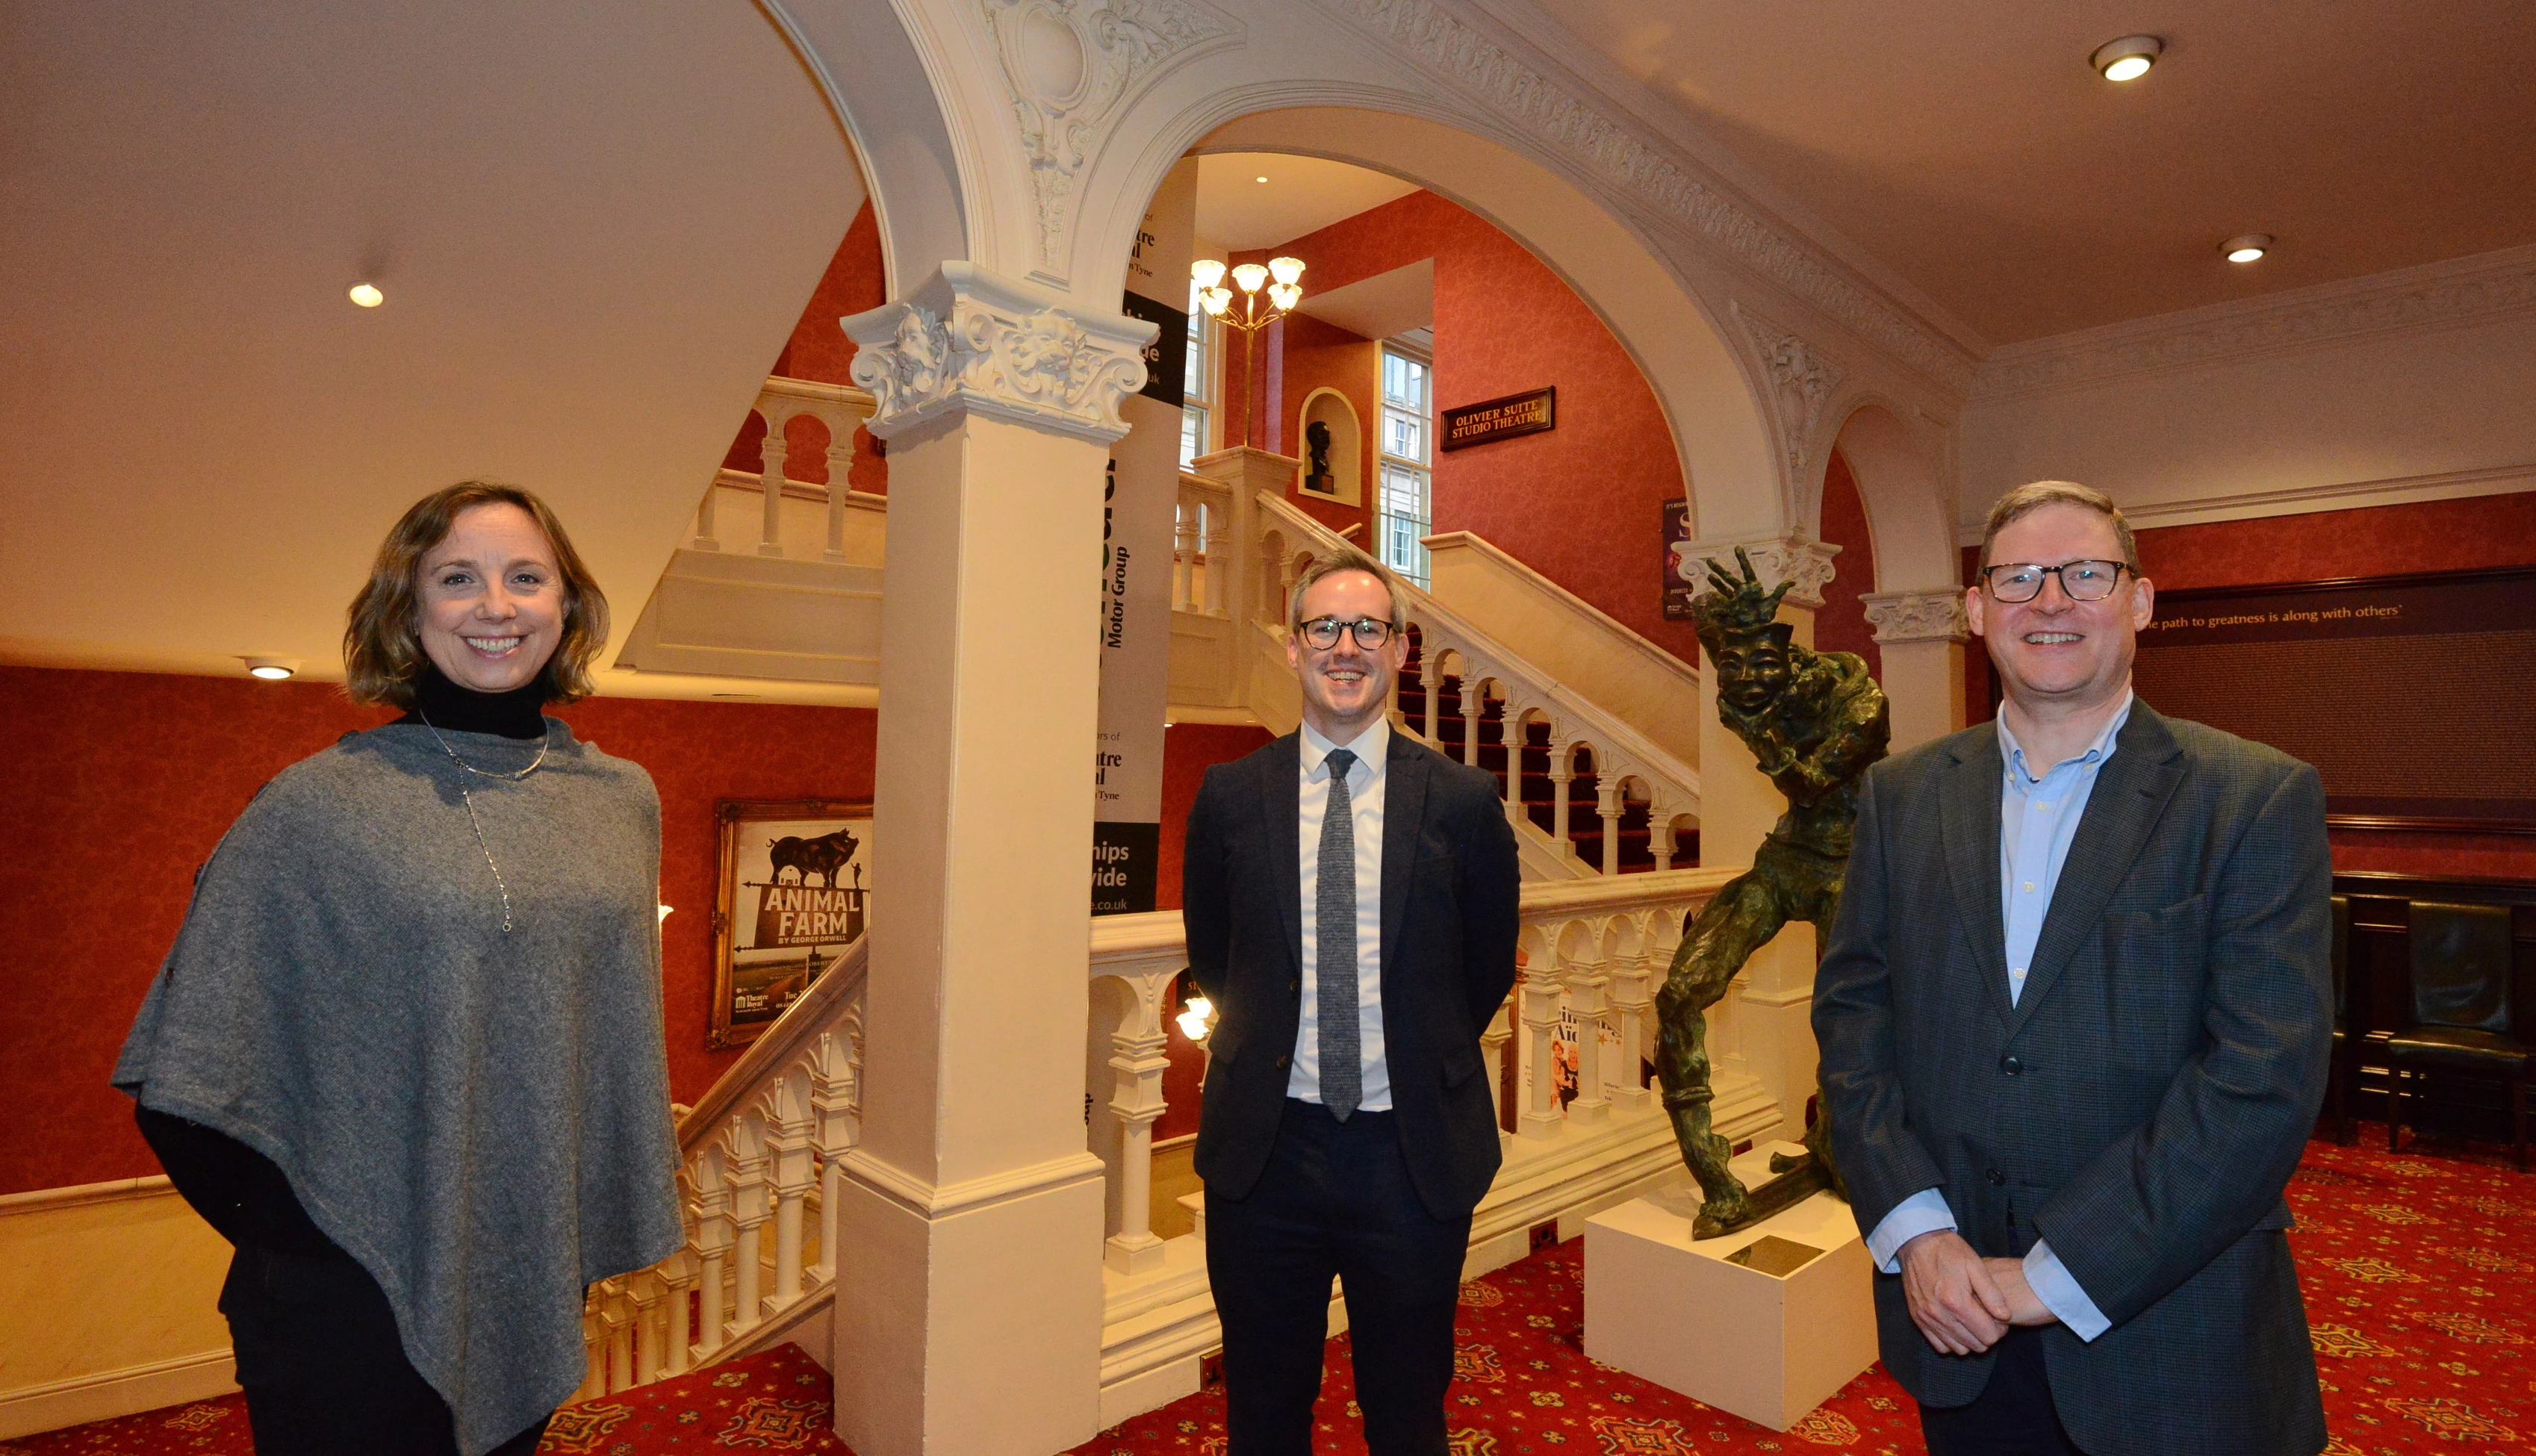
point(1908, 513)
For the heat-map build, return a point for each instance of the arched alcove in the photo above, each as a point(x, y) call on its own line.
point(1344, 448)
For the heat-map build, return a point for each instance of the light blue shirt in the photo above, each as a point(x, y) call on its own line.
point(2038, 821)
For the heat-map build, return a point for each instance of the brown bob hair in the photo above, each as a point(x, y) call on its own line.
point(382, 656)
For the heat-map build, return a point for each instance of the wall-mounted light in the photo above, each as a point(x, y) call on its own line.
point(1194, 1017)
point(270, 670)
point(2246, 247)
point(367, 296)
point(2126, 59)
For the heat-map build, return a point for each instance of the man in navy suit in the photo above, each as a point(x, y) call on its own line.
point(2075, 1017)
point(1351, 902)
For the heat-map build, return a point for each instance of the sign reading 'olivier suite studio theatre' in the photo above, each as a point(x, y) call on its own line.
point(1502, 419)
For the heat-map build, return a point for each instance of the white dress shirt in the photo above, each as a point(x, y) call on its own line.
point(2038, 816)
point(1366, 780)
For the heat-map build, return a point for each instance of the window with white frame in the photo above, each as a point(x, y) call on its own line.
point(1197, 404)
point(1405, 511)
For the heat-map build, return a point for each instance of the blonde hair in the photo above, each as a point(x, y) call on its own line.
point(2034, 495)
point(382, 656)
point(1345, 559)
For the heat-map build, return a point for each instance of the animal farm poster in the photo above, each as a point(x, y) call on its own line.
point(793, 899)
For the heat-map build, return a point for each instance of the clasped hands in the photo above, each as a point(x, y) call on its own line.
point(1962, 1303)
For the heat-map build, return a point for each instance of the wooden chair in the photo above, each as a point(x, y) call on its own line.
point(2461, 1012)
point(2350, 1031)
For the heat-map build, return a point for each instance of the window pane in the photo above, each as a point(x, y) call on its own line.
point(1192, 433)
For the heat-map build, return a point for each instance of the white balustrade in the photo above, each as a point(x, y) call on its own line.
point(842, 408)
point(1201, 533)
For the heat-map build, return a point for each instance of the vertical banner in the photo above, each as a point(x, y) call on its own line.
point(1139, 528)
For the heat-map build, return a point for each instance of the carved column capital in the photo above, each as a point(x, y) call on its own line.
point(1932, 616)
point(1776, 558)
point(971, 340)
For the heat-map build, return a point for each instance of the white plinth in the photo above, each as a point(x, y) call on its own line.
point(1668, 1309)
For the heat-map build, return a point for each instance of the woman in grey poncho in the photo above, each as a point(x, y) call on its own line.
point(406, 1054)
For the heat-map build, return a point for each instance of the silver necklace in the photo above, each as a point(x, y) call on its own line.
point(545, 742)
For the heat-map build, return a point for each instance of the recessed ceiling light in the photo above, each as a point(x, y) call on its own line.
point(270, 670)
point(368, 295)
point(2247, 248)
point(2128, 58)
point(1259, 179)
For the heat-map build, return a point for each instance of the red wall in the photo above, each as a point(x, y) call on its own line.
point(114, 787)
point(819, 349)
point(1841, 625)
point(1580, 504)
point(1322, 355)
point(2476, 532)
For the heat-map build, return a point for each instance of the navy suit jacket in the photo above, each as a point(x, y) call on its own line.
point(1449, 889)
point(2143, 1101)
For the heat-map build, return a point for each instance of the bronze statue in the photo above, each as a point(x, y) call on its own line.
point(1815, 720)
point(1316, 444)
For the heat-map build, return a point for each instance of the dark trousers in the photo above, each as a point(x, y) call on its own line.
point(1335, 1199)
point(324, 1372)
point(2013, 1415)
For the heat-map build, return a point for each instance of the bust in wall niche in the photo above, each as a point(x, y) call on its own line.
point(1316, 445)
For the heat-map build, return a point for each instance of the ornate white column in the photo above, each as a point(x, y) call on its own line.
point(1474, 699)
point(970, 1208)
point(1586, 980)
point(1561, 774)
point(1631, 1000)
point(1606, 805)
point(712, 1245)
point(1537, 993)
point(1660, 840)
point(1921, 636)
point(841, 465)
point(1137, 1060)
point(1432, 679)
point(1738, 806)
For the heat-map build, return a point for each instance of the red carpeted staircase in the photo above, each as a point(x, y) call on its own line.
point(2417, 1269)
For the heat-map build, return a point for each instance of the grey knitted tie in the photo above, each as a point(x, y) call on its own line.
point(1334, 981)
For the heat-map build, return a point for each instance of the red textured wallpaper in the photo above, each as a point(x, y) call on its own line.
point(1322, 355)
point(2475, 532)
point(1578, 504)
point(819, 349)
point(114, 787)
point(1841, 625)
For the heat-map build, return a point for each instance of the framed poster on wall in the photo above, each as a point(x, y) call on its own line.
point(790, 900)
point(1677, 587)
point(2408, 693)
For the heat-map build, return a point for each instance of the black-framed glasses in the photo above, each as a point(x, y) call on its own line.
point(1322, 634)
point(2083, 581)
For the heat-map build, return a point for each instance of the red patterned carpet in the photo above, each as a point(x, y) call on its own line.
point(2416, 1268)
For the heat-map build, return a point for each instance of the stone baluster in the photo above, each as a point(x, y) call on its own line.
point(1474, 698)
point(1432, 679)
point(1184, 556)
point(1539, 992)
point(841, 465)
point(678, 1277)
point(790, 1173)
point(748, 1212)
point(1660, 839)
point(650, 1293)
point(1561, 776)
point(713, 1241)
point(1607, 803)
point(832, 1122)
point(770, 534)
point(1586, 979)
point(617, 1320)
point(1493, 1045)
point(704, 540)
point(1137, 1062)
point(593, 1351)
point(1632, 1002)
point(1211, 549)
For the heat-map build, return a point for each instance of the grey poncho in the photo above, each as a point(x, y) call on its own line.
point(480, 1118)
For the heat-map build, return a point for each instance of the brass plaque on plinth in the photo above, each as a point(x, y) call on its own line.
point(1775, 1256)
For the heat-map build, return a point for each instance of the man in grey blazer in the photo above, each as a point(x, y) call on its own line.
point(2074, 1020)
point(1351, 899)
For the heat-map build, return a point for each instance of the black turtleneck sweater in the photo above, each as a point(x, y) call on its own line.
point(236, 1189)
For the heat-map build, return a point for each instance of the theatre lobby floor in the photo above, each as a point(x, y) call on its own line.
point(2416, 1267)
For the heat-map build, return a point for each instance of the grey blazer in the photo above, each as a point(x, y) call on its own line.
point(2142, 1104)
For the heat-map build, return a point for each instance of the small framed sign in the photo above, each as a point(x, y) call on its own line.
point(1502, 419)
point(793, 898)
point(1681, 575)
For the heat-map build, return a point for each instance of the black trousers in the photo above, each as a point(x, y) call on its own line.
point(324, 1372)
point(1335, 1199)
point(2013, 1415)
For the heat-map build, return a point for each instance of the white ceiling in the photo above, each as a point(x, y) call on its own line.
point(594, 238)
point(1966, 145)
point(1383, 306)
point(1237, 212)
